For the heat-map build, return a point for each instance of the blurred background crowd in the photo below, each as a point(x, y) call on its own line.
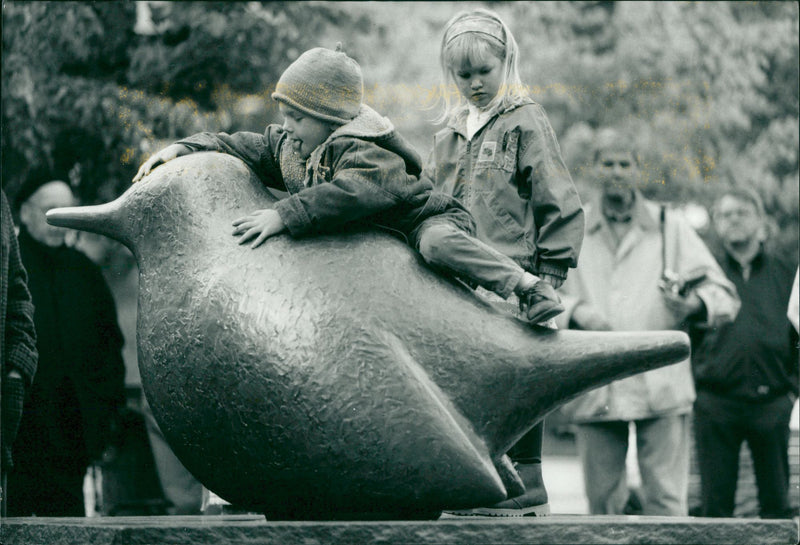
point(707, 90)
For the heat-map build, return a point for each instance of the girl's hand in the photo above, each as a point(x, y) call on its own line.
point(260, 224)
point(167, 154)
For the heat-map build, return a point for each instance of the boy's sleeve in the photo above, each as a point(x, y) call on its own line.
point(428, 174)
point(366, 180)
point(257, 151)
point(557, 210)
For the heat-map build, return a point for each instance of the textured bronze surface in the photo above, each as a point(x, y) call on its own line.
point(335, 376)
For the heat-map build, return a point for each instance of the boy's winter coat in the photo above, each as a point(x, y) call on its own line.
point(365, 171)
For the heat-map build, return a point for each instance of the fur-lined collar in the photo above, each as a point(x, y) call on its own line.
point(367, 124)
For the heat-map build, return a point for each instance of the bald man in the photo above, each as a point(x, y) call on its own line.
point(79, 384)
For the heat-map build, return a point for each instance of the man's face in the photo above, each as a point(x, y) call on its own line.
point(305, 132)
point(737, 221)
point(617, 171)
point(32, 213)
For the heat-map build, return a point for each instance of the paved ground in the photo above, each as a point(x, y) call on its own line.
point(563, 479)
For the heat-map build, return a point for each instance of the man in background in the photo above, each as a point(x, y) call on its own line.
point(79, 388)
point(746, 372)
point(642, 268)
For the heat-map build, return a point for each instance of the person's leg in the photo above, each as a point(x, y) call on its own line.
point(718, 439)
point(527, 457)
point(449, 248)
point(528, 450)
point(23, 491)
point(445, 246)
point(65, 501)
point(662, 445)
point(602, 447)
point(43, 494)
point(768, 439)
point(3, 494)
point(181, 489)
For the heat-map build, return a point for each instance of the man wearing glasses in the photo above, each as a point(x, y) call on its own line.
point(746, 372)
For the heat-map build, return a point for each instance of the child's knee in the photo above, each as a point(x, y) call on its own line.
point(435, 240)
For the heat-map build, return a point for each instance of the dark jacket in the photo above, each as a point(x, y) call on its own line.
point(364, 172)
point(80, 381)
point(754, 358)
point(17, 332)
point(513, 180)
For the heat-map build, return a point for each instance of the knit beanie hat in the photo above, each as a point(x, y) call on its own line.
point(324, 84)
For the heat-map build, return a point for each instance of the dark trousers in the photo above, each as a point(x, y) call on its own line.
point(528, 450)
point(42, 494)
point(720, 426)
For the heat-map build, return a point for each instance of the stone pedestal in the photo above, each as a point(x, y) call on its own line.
point(255, 530)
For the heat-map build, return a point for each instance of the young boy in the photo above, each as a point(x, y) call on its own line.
point(342, 163)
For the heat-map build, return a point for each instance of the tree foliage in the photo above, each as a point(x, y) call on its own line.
point(87, 94)
point(708, 89)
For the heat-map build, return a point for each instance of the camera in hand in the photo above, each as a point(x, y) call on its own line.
point(681, 285)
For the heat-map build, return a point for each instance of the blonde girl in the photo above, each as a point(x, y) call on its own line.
point(499, 156)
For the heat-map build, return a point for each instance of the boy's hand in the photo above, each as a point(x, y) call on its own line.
point(260, 224)
point(167, 154)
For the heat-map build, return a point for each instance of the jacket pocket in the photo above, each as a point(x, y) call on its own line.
point(489, 212)
point(498, 152)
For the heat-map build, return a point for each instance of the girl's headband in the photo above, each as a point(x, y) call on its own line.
point(476, 23)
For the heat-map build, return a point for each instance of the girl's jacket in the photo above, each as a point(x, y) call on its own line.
point(364, 172)
point(513, 180)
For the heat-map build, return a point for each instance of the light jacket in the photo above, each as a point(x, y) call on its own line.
point(621, 283)
point(364, 171)
point(513, 180)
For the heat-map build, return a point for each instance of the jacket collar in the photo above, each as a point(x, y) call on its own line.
point(641, 215)
point(33, 245)
point(458, 121)
point(368, 124)
point(757, 261)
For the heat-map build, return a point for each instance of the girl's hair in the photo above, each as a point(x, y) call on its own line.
point(463, 40)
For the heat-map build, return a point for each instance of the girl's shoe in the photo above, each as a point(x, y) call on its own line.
point(533, 503)
point(540, 303)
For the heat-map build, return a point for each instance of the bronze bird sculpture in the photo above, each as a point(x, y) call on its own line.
point(337, 376)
